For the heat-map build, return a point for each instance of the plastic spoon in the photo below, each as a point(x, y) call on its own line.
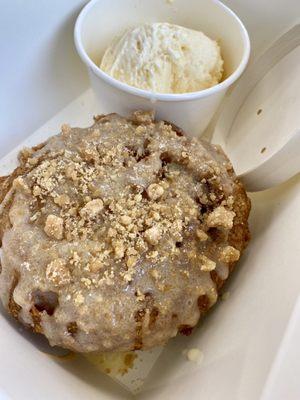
point(280, 167)
point(259, 124)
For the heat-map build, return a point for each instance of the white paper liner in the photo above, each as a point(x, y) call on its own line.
point(235, 353)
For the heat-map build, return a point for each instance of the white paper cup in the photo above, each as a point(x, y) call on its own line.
point(101, 20)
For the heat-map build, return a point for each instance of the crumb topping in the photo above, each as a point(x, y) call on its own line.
point(124, 215)
point(229, 254)
point(155, 191)
point(54, 227)
point(202, 236)
point(130, 225)
point(207, 264)
point(220, 218)
point(58, 273)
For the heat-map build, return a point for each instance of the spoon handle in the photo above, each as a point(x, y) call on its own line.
point(280, 167)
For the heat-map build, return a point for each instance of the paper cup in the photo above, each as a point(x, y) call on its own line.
point(101, 20)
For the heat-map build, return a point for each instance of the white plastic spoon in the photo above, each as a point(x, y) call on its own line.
point(259, 124)
point(280, 167)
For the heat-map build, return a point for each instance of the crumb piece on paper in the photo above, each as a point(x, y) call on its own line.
point(194, 355)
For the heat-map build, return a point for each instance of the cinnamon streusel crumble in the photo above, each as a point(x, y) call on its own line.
point(119, 236)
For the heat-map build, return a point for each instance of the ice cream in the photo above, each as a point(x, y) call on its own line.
point(164, 58)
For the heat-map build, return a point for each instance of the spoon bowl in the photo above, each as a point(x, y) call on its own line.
point(259, 124)
point(281, 166)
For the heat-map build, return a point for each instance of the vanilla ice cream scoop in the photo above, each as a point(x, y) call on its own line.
point(164, 58)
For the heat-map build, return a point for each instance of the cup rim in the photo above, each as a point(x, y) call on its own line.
point(154, 96)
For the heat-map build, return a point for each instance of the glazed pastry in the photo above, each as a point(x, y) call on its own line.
point(119, 236)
